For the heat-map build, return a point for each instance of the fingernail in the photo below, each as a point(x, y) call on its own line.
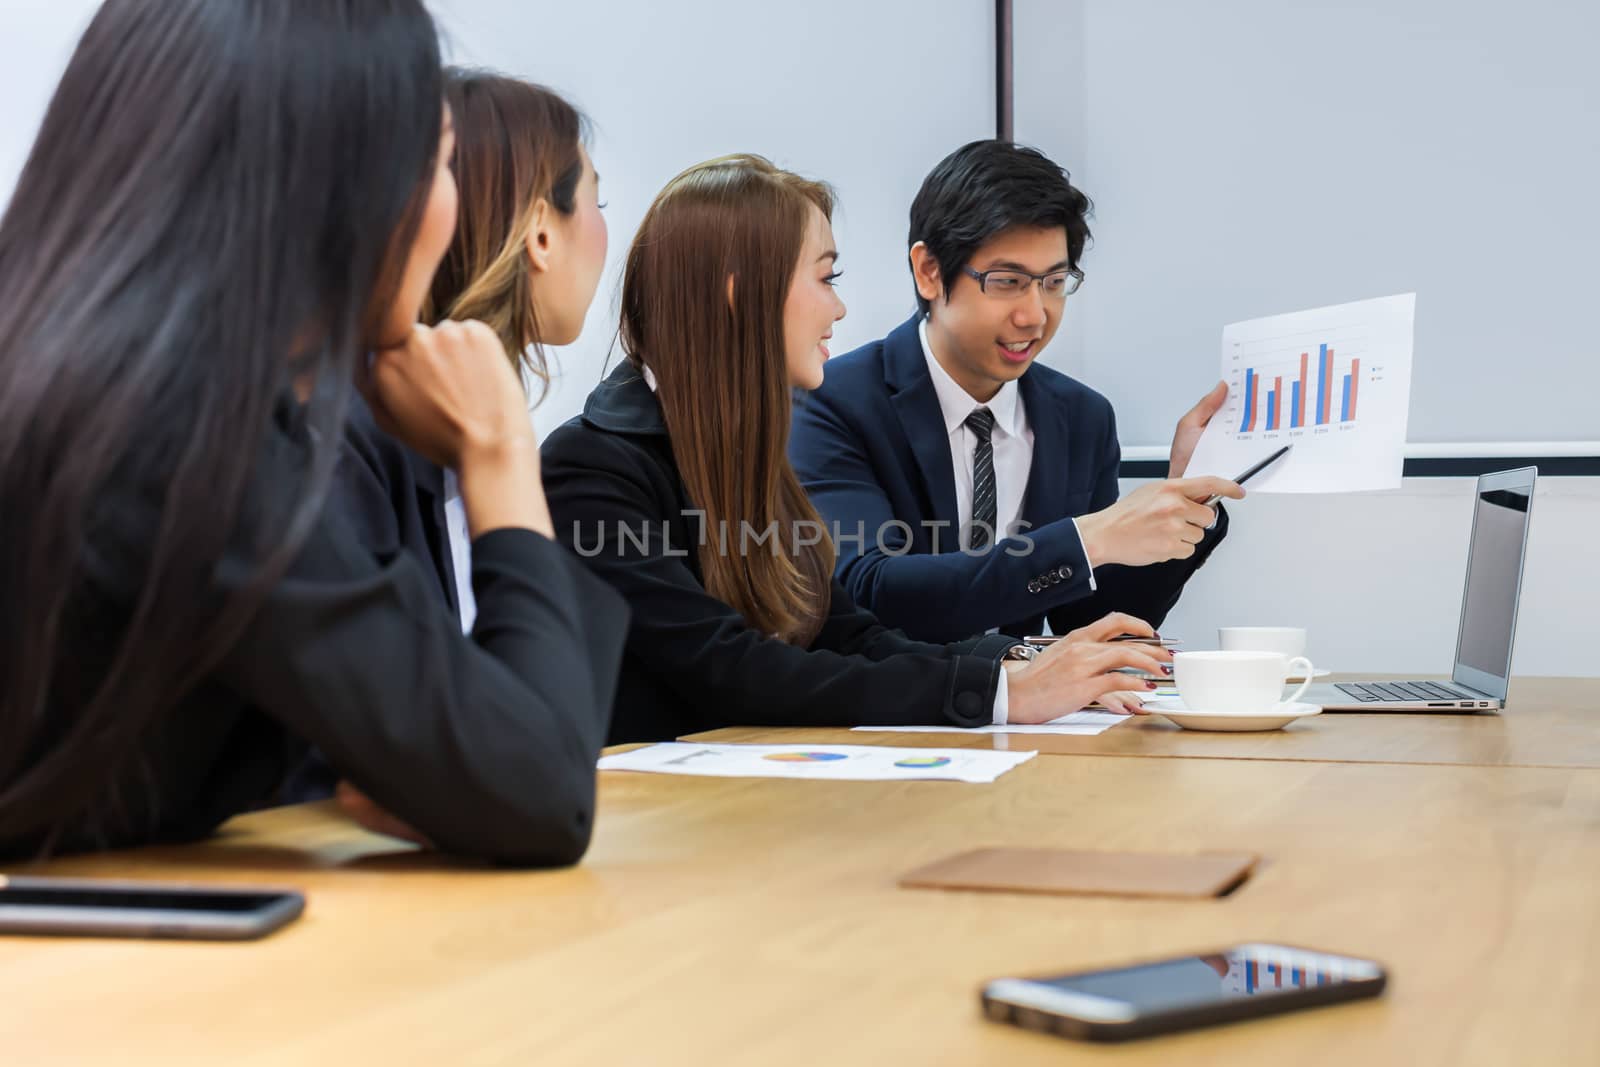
point(1149, 685)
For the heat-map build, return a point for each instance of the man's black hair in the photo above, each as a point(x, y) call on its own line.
point(983, 189)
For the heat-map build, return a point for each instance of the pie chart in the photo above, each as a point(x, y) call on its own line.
point(922, 761)
point(804, 757)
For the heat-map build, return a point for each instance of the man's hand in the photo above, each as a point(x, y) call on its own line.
point(1191, 426)
point(1155, 522)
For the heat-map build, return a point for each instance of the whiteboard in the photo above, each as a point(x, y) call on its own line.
point(1251, 157)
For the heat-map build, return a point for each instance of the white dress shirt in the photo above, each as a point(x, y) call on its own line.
point(1011, 439)
point(1012, 442)
point(1013, 458)
point(455, 524)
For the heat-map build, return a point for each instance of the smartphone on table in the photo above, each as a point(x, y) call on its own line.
point(1181, 993)
point(91, 907)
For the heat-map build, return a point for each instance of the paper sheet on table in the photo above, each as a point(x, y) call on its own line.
point(1335, 382)
point(861, 763)
point(1085, 723)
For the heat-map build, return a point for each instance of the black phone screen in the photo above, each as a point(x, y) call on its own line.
point(163, 899)
point(1196, 981)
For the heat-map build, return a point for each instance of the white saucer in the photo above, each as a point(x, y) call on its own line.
point(1276, 718)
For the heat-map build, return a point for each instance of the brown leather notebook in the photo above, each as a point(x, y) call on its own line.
point(1050, 870)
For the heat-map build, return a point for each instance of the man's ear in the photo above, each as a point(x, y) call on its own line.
point(925, 271)
point(538, 239)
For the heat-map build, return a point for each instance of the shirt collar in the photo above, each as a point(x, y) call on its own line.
point(956, 403)
point(623, 403)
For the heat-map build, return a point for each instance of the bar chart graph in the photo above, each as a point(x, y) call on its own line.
point(1333, 382)
point(1279, 411)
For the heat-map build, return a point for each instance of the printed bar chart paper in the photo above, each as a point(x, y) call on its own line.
point(1348, 368)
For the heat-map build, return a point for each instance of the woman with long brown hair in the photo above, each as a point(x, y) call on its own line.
point(675, 486)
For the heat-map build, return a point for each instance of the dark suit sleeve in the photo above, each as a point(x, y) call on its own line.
point(1147, 592)
point(855, 673)
point(368, 467)
point(948, 595)
point(485, 744)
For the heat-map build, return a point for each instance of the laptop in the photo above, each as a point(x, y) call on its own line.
point(1488, 614)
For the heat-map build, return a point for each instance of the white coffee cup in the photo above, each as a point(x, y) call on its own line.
point(1285, 640)
point(1237, 681)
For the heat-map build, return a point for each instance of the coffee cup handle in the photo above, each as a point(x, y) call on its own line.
point(1306, 683)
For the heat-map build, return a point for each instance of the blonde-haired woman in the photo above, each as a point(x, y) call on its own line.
point(525, 259)
point(530, 240)
point(675, 486)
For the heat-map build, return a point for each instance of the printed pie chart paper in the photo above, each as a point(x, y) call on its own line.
point(855, 763)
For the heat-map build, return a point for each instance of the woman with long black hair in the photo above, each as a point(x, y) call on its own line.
point(231, 215)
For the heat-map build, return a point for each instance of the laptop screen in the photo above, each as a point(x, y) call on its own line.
point(1494, 576)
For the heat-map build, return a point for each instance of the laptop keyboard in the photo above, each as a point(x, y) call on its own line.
point(1409, 691)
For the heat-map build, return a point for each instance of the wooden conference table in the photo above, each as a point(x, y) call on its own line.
point(758, 922)
point(1548, 722)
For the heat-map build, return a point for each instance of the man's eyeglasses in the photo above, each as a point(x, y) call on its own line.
point(1010, 284)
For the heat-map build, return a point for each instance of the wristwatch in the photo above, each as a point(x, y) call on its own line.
point(1021, 651)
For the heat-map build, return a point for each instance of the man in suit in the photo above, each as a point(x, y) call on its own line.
point(969, 489)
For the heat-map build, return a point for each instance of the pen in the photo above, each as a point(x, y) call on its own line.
point(1253, 471)
point(1164, 642)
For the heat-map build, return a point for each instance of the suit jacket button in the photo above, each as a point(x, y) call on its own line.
point(1033, 585)
point(1065, 572)
point(968, 704)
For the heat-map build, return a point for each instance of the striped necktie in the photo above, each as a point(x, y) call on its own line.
point(981, 423)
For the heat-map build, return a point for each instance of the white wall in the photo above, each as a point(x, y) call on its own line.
point(36, 37)
point(867, 96)
point(1249, 157)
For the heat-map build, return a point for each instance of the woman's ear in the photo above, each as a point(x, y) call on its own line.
point(925, 270)
point(539, 240)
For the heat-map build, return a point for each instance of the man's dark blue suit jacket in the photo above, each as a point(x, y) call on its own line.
point(871, 448)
